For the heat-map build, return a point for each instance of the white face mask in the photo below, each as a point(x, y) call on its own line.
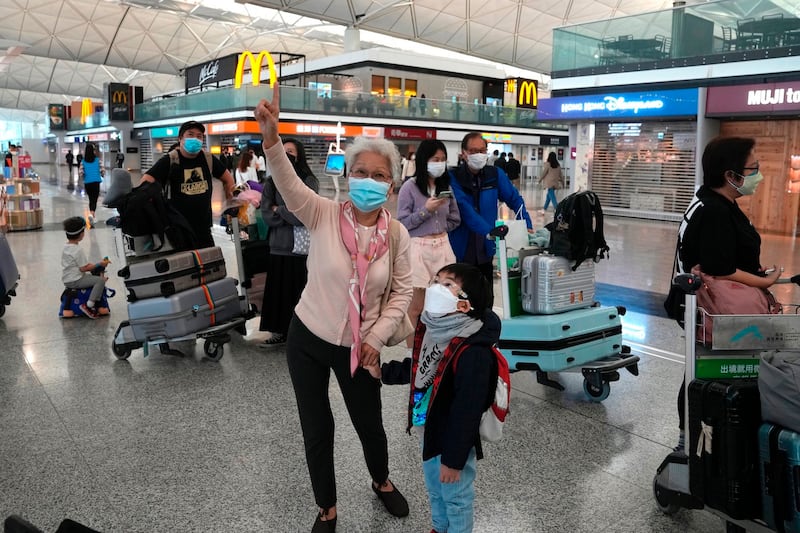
point(477, 161)
point(439, 301)
point(436, 169)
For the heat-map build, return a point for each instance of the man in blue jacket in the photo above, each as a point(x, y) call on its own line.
point(477, 188)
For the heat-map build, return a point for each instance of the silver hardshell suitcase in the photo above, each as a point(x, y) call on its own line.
point(550, 286)
point(168, 274)
point(185, 312)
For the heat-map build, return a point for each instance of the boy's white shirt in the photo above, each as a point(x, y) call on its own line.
point(72, 259)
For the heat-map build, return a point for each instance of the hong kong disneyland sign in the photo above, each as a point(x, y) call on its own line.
point(668, 103)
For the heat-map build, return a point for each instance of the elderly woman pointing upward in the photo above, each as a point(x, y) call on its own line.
point(358, 290)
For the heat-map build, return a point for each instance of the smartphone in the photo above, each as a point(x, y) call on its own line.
point(445, 194)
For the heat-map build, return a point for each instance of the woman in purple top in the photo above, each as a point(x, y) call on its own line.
point(426, 207)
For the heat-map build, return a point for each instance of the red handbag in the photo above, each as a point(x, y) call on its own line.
point(726, 297)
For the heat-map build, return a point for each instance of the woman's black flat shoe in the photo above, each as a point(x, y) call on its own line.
point(324, 526)
point(394, 502)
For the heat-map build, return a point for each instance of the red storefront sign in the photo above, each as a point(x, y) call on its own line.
point(756, 100)
point(409, 134)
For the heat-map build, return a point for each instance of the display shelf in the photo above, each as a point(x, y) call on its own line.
point(20, 204)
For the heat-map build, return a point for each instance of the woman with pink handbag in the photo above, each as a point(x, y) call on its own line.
point(717, 239)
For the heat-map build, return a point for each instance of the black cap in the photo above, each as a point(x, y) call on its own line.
point(191, 125)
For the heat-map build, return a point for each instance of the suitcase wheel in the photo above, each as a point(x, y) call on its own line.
point(214, 349)
point(663, 499)
point(595, 394)
point(122, 351)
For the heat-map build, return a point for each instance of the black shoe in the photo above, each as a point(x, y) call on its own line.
point(324, 526)
point(275, 339)
point(17, 524)
point(394, 502)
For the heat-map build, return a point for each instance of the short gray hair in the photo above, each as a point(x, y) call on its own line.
point(378, 146)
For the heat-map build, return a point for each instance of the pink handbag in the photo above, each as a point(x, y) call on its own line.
point(727, 297)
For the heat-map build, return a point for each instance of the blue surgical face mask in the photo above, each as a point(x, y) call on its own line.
point(367, 194)
point(192, 145)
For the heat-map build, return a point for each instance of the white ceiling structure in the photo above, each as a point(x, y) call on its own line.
point(57, 51)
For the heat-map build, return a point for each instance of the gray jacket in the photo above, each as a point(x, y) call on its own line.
point(281, 221)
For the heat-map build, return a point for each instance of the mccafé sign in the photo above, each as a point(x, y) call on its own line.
point(759, 100)
point(527, 93)
point(118, 107)
point(255, 63)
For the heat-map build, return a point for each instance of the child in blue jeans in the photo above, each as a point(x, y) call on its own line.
point(449, 397)
point(76, 271)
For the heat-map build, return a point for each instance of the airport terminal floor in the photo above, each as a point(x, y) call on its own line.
point(175, 444)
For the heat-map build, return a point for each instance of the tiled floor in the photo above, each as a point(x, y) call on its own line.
point(164, 443)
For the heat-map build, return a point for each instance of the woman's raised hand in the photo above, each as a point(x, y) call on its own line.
point(267, 114)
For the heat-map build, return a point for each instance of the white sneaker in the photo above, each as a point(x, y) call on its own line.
point(91, 221)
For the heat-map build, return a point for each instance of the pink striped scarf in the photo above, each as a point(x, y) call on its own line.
point(378, 245)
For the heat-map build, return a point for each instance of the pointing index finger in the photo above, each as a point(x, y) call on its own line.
point(276, 96)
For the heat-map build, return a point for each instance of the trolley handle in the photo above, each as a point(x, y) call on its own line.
point(688, 283)
point(794, 279)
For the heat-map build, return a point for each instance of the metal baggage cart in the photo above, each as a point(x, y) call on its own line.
point(215, 337)
point(737, 341)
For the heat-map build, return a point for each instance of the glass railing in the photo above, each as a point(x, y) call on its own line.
point(721, 31)
point(95, 120)
point(299, 99)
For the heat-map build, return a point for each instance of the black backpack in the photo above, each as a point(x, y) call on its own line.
point(576, 231)
point(144, 211)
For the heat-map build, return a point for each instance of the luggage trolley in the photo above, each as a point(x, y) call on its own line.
point(588, 340)
point(736, 337)
point(215, 337)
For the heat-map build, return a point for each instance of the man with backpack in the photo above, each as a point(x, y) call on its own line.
point(477, 189)
point(186, 175)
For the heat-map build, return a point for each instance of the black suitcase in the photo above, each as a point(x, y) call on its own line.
point(724, 418)
point(255, 255)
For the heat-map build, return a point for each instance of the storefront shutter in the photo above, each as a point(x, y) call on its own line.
point(644, 170)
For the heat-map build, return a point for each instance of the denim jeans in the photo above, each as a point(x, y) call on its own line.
point(551, 198)
point(451, 503)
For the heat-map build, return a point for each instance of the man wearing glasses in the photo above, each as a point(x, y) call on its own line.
point(477, 189)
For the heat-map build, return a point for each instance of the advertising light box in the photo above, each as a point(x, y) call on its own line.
point(652, 104)
point(781, 98)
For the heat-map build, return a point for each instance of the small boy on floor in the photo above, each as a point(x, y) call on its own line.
point(448, 397)
point(76, 271)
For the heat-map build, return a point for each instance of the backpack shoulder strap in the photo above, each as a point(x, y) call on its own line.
point(209, 162)
point(394, 237)
point(601, 248)
point(581, 240)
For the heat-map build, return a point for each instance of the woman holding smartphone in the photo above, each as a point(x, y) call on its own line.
point(426, 207)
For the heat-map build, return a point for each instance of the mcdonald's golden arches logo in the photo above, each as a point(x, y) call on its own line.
point(255, 68)
point(527, 94)
point(87, 109)
point(119, 97)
